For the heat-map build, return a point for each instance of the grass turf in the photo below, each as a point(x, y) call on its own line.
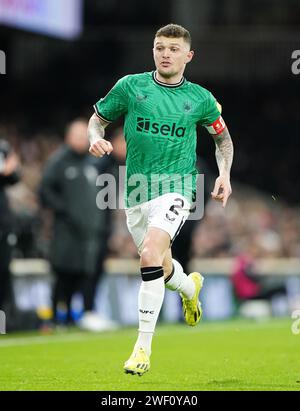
point(235, 355)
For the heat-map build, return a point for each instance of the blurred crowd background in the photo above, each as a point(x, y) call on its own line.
point(242, 54)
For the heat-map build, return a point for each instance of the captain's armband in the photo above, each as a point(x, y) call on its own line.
point(217, 127)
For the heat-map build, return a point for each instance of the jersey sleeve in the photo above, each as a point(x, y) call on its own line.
point(212, 111)
point(115, 103)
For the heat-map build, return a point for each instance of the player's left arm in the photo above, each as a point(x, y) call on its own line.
point(224, 157)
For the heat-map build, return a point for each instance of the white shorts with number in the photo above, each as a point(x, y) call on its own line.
point(167, 212)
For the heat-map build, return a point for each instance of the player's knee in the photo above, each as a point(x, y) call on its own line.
point(150, 257)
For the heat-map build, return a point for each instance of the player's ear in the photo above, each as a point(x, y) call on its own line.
point(189, 56)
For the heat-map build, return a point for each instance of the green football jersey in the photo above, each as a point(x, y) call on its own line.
point(160, 132)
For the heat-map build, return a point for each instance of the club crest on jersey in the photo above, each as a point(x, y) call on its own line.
point(187, 106)
point(141, 97)
point(145, 125)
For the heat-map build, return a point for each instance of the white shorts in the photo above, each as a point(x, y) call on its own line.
point(167, 212)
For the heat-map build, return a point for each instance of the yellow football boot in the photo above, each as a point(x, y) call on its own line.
point(138, 363)
point(192, 308)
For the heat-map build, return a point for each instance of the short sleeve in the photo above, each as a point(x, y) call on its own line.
point(115, 103)
point(212, 111)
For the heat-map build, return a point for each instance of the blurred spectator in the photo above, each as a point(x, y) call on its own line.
point(8, 175)
point(252, 219)
point(78, 245)
point(248, 285)
point(109, 165)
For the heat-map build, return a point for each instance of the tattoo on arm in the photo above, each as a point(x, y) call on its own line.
point(224, 152)
point(96, 128)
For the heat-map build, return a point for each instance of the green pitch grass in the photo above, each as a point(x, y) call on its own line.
point(235, 355)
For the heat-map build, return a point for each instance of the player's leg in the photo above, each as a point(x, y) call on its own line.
point(188, 286)
point(150, 299)
point(170, 212)
point(152, 289)
point(175, 278)
point(153, 226)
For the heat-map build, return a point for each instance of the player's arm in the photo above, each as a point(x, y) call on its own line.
point(224, 157)
point(107, 109)
point(96, 131)
point(215, 125)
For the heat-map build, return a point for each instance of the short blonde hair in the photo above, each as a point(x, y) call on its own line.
point(176, 31)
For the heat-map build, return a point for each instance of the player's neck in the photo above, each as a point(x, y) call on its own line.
point(169, 80)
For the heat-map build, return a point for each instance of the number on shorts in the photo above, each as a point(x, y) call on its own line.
point(174, 209)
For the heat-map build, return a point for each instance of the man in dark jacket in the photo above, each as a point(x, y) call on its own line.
point(8, 175)
point(68, 187)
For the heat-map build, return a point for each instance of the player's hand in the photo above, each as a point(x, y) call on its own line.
point(100, 147)
point(222, 189)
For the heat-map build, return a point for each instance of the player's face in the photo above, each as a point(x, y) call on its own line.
point(171, 56)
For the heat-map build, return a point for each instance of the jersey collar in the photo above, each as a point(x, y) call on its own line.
point(161, 83)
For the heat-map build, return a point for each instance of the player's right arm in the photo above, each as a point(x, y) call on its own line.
point(107, 109)
point(96, 131)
